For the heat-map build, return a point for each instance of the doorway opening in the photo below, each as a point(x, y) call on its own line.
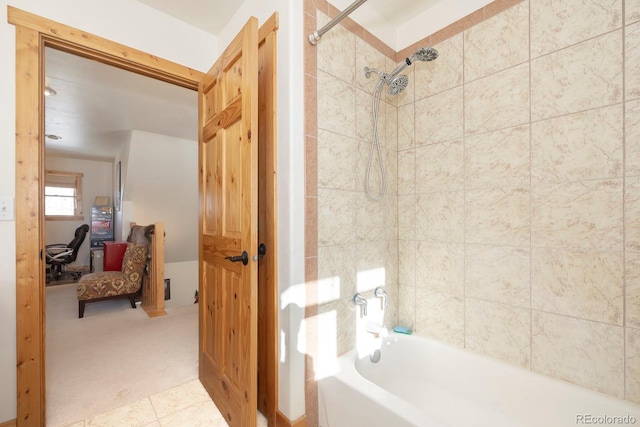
point(105, 116)
point(33, 34)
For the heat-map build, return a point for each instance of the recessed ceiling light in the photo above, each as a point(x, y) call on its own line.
point(49, 91)
point(54, 137)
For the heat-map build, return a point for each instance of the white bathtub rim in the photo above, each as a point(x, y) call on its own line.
point(350, 378)
point(599, 402)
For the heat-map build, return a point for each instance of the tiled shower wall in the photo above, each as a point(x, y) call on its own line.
point(519, 192)
point(515, 178)
point(351, 240)
point(357, 237)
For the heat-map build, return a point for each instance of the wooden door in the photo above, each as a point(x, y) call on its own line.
point(267, 214)
point(228, 189)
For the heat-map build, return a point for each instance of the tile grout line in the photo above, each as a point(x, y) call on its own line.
point(530, 201)
point(624, 203)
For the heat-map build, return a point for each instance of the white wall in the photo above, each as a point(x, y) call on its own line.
point(161, 181)
point(184, 282)
point(96, 181)
point(124, 21)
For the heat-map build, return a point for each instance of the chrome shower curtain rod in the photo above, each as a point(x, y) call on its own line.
point(317, 35)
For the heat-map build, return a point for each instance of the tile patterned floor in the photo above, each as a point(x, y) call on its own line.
point(187, 405)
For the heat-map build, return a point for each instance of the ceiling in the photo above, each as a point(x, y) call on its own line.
point(96, 105)
point(212, 15)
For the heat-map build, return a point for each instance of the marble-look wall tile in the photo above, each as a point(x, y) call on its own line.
point(497, 101)
point(336, 272)
point(633, 365)
point(370, 219)
point(632, 138)
point(440, 216)
point(440, 316)
point(498, 216)
point(406, 127)
point(632, 214)
point(391, 172)
point(391, 267)
point(311, 226)
point(631, 11)
point(407, 262)
point(407, 217)
point(337, 52)
point(336, 217)
point(498, 273)
point(587, 285)
point(391, 216)
point(406, 172)
point(632, 289)
point(499, 331)
point(587, 145)
point(375, 176)
point(311, 165)
point(583, 352)
point(391, 127)
point(336, 333)
point(367, 56)
point(497, 43)
point(407, 306)
point(442, 74)
point(364, 118)
point(337, 156)
point(555, 25)
point(577, 78)
point(498, 158)
point(372, 264)
point(584, 214)
point(439, 118)
point(632, 61)
point(336, 105)
point(391, 312)
point(439, 167)
point(441, 267)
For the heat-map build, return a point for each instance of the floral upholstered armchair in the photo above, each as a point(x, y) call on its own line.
point(106, 285)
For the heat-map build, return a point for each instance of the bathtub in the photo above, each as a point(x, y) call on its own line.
point(422, 382)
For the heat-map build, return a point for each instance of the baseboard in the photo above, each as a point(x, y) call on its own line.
point(12, 423)
point(283, 421)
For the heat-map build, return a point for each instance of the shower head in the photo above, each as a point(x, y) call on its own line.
point(397, 84)
point(426, 54)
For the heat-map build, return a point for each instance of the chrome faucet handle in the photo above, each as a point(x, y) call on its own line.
point(360, 300)
point(381, 293)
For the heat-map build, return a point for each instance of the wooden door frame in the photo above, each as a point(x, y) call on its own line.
point(33, 34)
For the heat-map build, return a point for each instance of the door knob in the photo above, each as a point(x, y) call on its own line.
point(244, 257)
point(262, 251)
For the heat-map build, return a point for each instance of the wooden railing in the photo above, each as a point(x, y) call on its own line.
point(153, 283)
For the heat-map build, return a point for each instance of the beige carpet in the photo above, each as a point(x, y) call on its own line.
point(114, 356)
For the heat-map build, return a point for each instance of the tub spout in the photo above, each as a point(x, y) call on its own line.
point(380, 293)
point(360, 300)
point(377, 330)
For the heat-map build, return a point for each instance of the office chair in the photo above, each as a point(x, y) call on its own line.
point(59, 255)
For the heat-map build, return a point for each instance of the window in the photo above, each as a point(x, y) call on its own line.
point(63, 195)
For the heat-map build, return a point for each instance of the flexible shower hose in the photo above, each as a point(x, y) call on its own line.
point(375, 146)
